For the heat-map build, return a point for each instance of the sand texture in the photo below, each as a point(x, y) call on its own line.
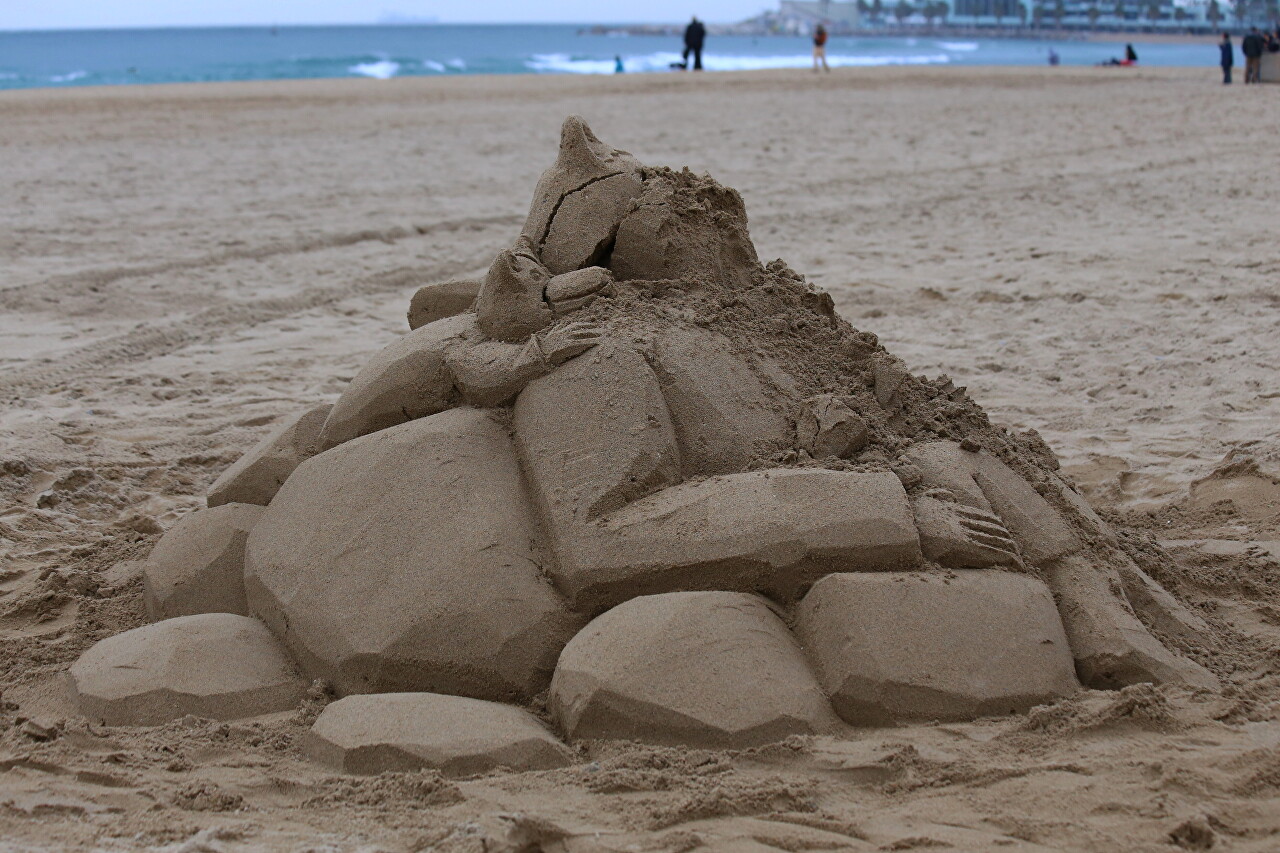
point(1086, 253)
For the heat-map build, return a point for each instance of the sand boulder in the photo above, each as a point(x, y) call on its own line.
point(827, 428)
point(1112, 648)
point(258, 475)
point(409, 560)
point(407, 379)
point(445, 299)
point(409, 731)
point(198, 565)
point(215, 665)
point(714, 669)
point(894, 647)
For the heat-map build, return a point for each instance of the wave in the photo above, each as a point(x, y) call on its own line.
point(563, 63)
point(67, 78)
point(437, 67)
point(958, 45)
point(383, 69)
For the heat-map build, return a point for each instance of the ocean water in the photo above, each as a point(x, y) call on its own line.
point(113, 57)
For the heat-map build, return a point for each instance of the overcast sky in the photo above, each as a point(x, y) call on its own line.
point(59, 14)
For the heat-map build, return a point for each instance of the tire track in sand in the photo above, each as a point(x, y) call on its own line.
point(209, 325)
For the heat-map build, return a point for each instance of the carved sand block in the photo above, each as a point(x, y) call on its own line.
point(713, 669)
point(725, 417)
point(215, 665)
point(407, 560)
point(258, 475)
point(895, 647)
point(407, 379)
point(772, 531)
point(389, 732)
point(198, 565)
point(444, 299)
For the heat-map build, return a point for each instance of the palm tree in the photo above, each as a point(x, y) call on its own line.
point(1240, 9)
point(1214, 13)
point(1094, 13)
point(1059, 11)
point(1153, 11)
point(903, 10)
point(877, 10)
point(1119, 10)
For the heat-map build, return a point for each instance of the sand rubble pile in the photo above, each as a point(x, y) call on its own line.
point(615, 474)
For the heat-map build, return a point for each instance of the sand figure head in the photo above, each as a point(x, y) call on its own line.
point(580, 200)
point(510, 305)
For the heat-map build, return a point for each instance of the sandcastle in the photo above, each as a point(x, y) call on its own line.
point(632, 485)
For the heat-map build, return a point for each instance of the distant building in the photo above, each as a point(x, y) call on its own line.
point(826, 12)
point(800, 17)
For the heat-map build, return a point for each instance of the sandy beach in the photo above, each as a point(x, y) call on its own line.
point(1092, 252)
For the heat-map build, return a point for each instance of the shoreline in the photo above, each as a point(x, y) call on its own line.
point(604, 82)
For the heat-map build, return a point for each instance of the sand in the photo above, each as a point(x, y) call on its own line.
point(1089, 251)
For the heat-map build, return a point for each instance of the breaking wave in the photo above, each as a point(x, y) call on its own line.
point(383, 69)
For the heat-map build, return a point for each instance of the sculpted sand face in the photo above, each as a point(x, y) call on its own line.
point(638, 435)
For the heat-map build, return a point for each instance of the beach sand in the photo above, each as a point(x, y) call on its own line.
point(1092, 252)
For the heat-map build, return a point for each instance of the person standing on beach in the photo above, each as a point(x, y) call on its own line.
point(1228, 59)
point(694, 36)
point(1251, 46)
point(820, 48)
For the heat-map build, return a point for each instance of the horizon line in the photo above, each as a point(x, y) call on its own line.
point(407, 24)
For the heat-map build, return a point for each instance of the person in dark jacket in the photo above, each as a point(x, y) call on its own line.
point(1228, 59)
point(1130, 55)
point(1251, 46)
point(694, 36)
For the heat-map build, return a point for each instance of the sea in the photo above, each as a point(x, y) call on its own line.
point(60, 58)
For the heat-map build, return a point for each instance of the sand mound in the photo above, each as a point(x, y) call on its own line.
point(637, 414)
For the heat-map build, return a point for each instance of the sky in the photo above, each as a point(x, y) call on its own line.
point(75, 14)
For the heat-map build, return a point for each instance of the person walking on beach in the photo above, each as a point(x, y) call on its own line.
point(694, 36)
point(1251, 46)
point(1228, 59)
point(820, 48)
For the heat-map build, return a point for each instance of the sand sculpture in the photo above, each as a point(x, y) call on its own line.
point(666, 487)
